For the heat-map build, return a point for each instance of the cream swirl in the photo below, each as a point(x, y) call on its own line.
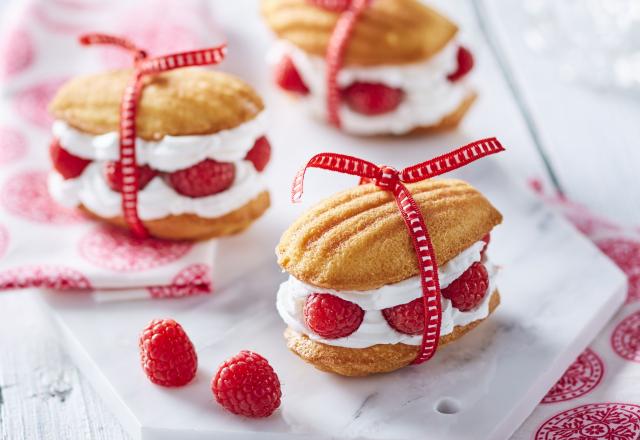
point(157, 199)
point(374, 329)
point(171, 153)
point(429, 95)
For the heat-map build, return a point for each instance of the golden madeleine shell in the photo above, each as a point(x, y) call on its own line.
point(388, 32)
point(194, 228)
point(191, 101)
point(357, 239)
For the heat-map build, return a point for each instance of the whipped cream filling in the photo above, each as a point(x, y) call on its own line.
point(157, 199)
point(171, 153)
point(374, 329)
point(429, 95)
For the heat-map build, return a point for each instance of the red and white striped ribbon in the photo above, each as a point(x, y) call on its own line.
point(391, 180)
point(350, 10)
point(129, 108)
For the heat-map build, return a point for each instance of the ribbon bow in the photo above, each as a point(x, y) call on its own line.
point(392, 180)
point(143, 66)
point(350, 10)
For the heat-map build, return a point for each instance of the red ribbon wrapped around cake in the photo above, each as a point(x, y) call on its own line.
point(392, 180)
point(151, 241)
point(371, 67)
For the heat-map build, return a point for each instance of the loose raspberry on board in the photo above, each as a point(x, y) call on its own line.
point(247, 385)
point(167, 355)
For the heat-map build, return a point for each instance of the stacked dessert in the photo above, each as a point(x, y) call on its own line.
point(403, 70)
point(200, 149)
point(353, 301)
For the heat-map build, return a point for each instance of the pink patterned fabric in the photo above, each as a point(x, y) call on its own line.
point(31, 102)
point(625, 339)
point(598, 397)
point(16, 52)
point(13, 145)
point(24, 195)
point(41, 243)
point(605, 421)
point(581, 377)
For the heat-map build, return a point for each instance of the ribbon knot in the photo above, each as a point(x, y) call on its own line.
point(139, 56)
point(143, 65)
point(389, 179)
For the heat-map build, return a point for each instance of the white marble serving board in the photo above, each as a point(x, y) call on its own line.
point(558, 291)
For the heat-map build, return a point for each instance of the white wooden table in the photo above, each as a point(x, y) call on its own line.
point(42, 395)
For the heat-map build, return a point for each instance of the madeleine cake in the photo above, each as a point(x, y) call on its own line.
point(404, 69)
point(200, 151)
point(353, 300)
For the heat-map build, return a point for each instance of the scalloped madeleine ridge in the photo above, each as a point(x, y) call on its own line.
point(357, 239)
point(388, 32)
point(190, 101)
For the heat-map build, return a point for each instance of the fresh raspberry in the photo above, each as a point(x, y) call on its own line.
point(113, 174)
point(203, 179)
point(331, 317)
point(372, 98)
point(260, 153)
point(167, 354)
point(467, 291)
point(487, 240)
point(288, 78)
point(65, 163)
point(406, 318)
point(247, 385)
point(465, 64)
